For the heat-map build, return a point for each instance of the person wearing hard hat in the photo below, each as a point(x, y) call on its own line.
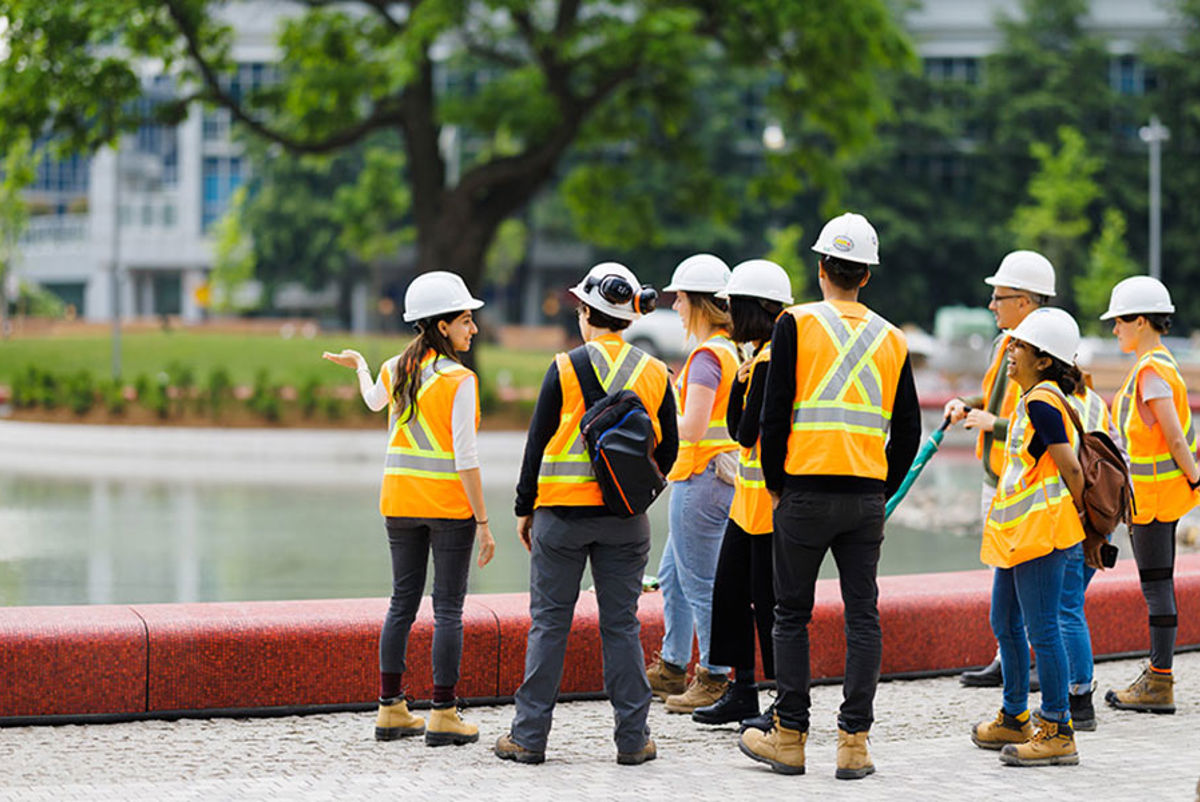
point(1023, 282)
point(432, 496)
point(562, 520)
point(839, 429)
point(700, 493)
point(1031, 525)
point(743, 595)
point(1152, 414)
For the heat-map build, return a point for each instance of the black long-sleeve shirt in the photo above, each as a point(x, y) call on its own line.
point(546, 414)
point(776, 425)
point(741, 418)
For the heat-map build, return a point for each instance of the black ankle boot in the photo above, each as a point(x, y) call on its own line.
point(1083, 715)
point(764, 721)
point(738, 702)
point(987, 677)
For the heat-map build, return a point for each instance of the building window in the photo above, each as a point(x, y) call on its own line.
point(1129, 75)
point(222, 175)
point(960, 69)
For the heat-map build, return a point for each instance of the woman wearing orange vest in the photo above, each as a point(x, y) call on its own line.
point(700, 495)
point(743, 599)
point(1152, 414)
point(1031, 526)
point(562, 520)
point(432, 496)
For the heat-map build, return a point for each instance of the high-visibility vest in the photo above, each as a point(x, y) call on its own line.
point(751, 507)
point(1092, 411)
point(419, 477)
point(566, 478)
point(994, 458)
point(1032, 513)
point(1160, 487)
point(848, 365)
point(695, 456)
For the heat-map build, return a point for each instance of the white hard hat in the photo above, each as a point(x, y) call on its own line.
point(1139, 295)
point(759, 278)
point(1051, 330)
point(436, 293)
point(1024, 270)
point(850, 237)
point(701, 272)
point(611, 288)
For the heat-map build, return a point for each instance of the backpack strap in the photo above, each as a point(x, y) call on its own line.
point(586, 374)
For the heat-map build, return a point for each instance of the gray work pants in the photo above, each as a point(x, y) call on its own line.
point(618, 549)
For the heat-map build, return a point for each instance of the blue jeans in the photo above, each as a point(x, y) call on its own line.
point(1073, 622)
point(698, 510)
point(1027, 598)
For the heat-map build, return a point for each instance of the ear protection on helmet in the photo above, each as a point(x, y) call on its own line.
point(617, 290)
point(645, 300)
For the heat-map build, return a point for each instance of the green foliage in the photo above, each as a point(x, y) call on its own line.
point(264, 397)
point(309, 396)
point(233, 255)
point(218, 391)
point(112, 395)
point(788, 249)
point(81, 392)
point(1108, 263)
point(507, 251)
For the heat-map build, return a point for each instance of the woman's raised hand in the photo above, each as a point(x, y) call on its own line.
point(349, 358)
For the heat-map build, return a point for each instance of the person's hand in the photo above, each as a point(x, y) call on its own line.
point(1091, 551)
point(980, 419)
point(487, 544)
point(774, 499)
point(743, 371)
point(955, 410)
point(348, 358)
point(525, 531)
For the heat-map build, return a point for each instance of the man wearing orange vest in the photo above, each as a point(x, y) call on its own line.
point(840, 427)
point(1023, 282)
point(562, 520)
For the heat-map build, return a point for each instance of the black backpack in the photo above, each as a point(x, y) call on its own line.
point(620, 440)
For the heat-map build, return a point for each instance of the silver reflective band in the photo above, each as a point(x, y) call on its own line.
point(565, 468)
point(1003, 515)
point(1153, 468)
point(840, 415)
point(414, 463)
point(750, 474)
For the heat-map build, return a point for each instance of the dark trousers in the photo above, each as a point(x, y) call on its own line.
point(743, 601)
point(411, 540)
point(1154, 550)
point(807, 524)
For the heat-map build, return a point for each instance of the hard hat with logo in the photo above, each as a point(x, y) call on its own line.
point(701, 272)
point(1051, 330)
point(1024, 270)
point(1139, 295)
point(611, 288)
point(849, 236)
point(437, 293)
point(759, 278)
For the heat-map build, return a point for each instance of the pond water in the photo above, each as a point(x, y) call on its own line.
point(113, 540)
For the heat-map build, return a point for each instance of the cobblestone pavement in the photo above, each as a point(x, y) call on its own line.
point(920, 745)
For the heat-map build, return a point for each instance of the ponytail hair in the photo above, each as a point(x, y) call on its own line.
point(408, 365)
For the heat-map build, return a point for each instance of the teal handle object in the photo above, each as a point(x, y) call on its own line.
point(927, 451)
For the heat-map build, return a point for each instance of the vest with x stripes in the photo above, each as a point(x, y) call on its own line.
point(565, 478)
point(695, 456)
point(419, 477)
point(1160, 487)
point(848, 365)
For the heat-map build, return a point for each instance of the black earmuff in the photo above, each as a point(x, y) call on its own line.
point(645, 300)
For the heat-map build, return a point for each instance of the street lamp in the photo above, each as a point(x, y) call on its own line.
point(1154, 135)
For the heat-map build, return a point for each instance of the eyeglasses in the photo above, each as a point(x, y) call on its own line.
point(998, 298)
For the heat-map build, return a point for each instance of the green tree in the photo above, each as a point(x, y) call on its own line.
point(542, 79)
point(1108, 263)
point(14, 216)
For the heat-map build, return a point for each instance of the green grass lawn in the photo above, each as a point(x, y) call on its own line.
point(287, 361)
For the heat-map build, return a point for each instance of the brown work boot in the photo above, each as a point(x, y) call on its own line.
point(664, 679)
point(648, 752)
point(508, 749)
point(394, 721)
point(446, 727)
point(1004, 730)
point(704, 690)
point(779, 747)
point(853, 759)
point(1152, 692)
point(1052, 745)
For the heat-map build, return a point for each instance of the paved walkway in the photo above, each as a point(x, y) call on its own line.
point(920, 745)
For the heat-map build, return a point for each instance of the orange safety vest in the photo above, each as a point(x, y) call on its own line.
point(565, 478)
point(419, 477)
point(694, 457)
point(1032, 513)
point(751, 507)
point(1160, 488)
point(1093, 412)
point(848, 365)
point(1012, 392)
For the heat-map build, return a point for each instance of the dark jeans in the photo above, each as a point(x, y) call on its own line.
point(1154, 550)
point(411, 540)
point(807, 524)
point(743, 601)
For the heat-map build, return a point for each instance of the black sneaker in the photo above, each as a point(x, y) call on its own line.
point(738, 702)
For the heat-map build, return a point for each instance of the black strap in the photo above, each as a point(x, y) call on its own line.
point(589, 383)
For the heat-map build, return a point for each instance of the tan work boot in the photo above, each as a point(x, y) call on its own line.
point(1052, 745)
point(1004, 730)
point(647, 753)
point(779, 747)
point(445, 727)
point(664, 680)
point(703, 691)
point(853, 759)
point(394, 721)
point(1151, 692)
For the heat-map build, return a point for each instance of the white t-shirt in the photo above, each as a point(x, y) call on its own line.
point(1150, 387)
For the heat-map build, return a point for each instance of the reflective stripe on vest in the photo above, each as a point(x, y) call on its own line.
point(423, 458)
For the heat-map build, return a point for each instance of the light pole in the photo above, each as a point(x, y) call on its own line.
point(1154, 135)
point(115, 272)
